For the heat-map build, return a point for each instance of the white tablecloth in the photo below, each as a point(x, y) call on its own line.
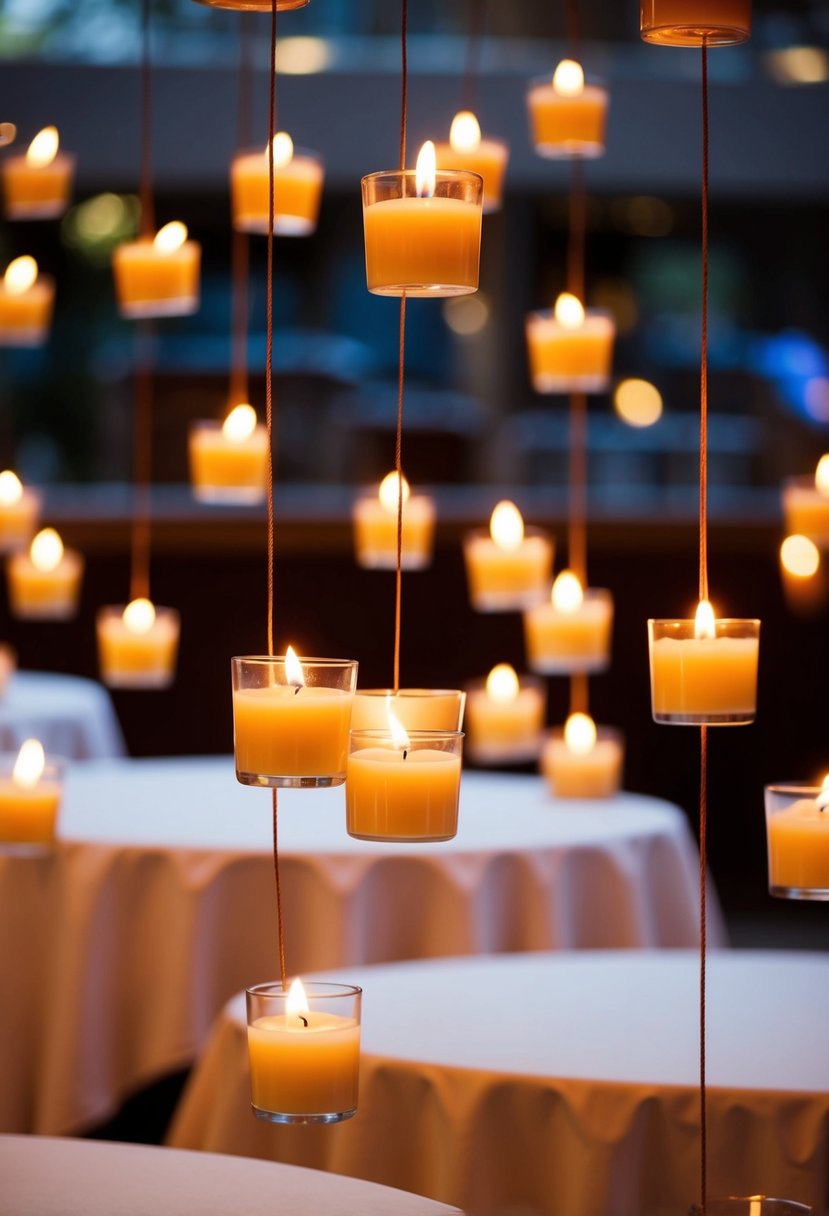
point(71, 717)
point(44, 1177)
point(561, 1083)
point(117, 953)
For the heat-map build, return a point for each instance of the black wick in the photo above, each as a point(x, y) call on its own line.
point(297, 688)
point(302, 1019)
point(405, 752)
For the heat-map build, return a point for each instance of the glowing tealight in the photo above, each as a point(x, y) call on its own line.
point(171, 237)
point(705, 625)
point(397, 730)
point(502, 684)
point(823, 796)
point(293, 669)
point(390, 491)
point(426, 171)
point(30, 764)
point(21, 274)
point(11, 488)
point(46, 551)
point(283, 150)
point(822, 475)
point(465, 132)
point(568, 593)
point(568, 78)
point(506, 526)
point(296, 1001)
point(139, 616)
point(240, 423)
point(43, 149)
point(800, 556)
point(580, 734)
point(569, 311)
point(638, 402)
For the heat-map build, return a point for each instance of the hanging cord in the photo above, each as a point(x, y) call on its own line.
point(476, 10)
point(574, 29)
point(703, 936)
point(577, 506)
point(142, 461)
point(401, 366)
point(147, 215)
point(240, 242)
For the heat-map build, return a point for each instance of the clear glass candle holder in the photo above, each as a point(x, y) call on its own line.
point(26, 316)
point(806, 510)
point(289, 733)
point(37, 192)
point(297, 192)
point(572, 642)
point(505, 729)
point(19, 519)
point(570, 359)
point(694, 22)
point(504, 579)
point(305, 1063)
point(143, 658)
point(593, 772)
point(422, 246)
point(704, 681)
point(44, 595)
point(152, 282)
point(797, 834)
point(414, 708)
point(567, 126)
point(403, 792)
point(375, 533)
point(225, 470)
point(29, 810)
point(255, 6)
point(750, 1205)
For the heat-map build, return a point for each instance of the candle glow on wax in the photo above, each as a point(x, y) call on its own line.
point(21, 274)
point(171, 237)
point(580, 734)
point(567, 594)
point(465, 132)
point(568, 78)
point(30, 764)
point(390, 491)
point(822, 475)
point(506, 526)
point(11, 488)
point(43, 149)
point(426, 171)
point(46, 551)
point(800, 556)
point(569, 311)
point(502, 684)
point(139, 616)
point(283, 150)
point(240, 423)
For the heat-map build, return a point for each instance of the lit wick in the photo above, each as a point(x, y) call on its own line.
point(299, 1015)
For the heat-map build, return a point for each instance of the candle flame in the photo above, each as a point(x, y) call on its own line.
point(297, 1001)
point(30, 764)
point(390, 491)
point(465, 132)
point(240, 423)
point(822, 475)
point(21, 274)
point(800, 556)
point(43, 149)
point(171, 237)
point(502, 685)
point(397, 730)
point(823, 796)
point(580, 734)
point(293, 669)
point(139, 616)
point(568, 593)
point(46, 551)
point(705, 625)
point(11, 488)
point(568, 78)
point(283, 150)
point(426, 171)
point(569, 311)
point(506, 526)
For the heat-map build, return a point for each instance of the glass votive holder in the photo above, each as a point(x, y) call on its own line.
point(425, 244)
point(138, 645)
point(19, 513)
point(297, 190)
point(34, 191)
point(228, 467)
point(291, 730)
point(504, 717)
point(797, 833)
point(806, 510)
point(254, 6)
point(583, 764)
point(567, 121)
point(570, 358)
point(804, 577)
point(470, 152)
point(158, 277)
point(304, 1051)
point(414, 708)
point(704, 681)
point(27, 301)
point(8, 666)
point(571, 640)
point(45, 582)
point(750, 1205)
point(374, 517)
point(694, 22)
point(507, 577)
point(405, 792)
point(31, 788)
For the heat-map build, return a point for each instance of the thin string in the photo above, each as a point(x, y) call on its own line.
point(703, 377)
point(579, 694)
point(142, 461)
point(147, 216)
point(404, 80)
point(703, 934)
point(401, 365)
point(240, 242)
point(471, 72)
point(577, 513)
point(573, 29)
point(577, 239)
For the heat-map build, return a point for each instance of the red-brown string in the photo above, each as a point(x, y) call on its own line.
point(240, 242)
point(401, 364)
point(475, 24)
point(404, 80)
point(142, 461)
point(574, 29)
point(703, 935)
point(577, 506)
point(147, 214)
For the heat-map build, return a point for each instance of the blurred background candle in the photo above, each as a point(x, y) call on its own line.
point(19, 512)
point(8, 666)
point(505, 717)
point(803, 574)
point(570, 633)
point(38, 184)
point(581, 761)
point(510, 567)
point(158, 277)
point(291, 719)
point(567, 116)
point(27, 300)
point(375, 527)
point(229, 460)
point(138, 645)
point(422, 230)
point(304, 1051)
point(806, 505)
point(689, 22)
point(570, 350)
point(414, 708)
point(797, 828)
point(45, 583)
point(30, 794)
point(704, 671)
point(298, 178)
point(467, 150)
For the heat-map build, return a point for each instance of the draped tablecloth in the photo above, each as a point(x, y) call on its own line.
point(71, 717)
point(117, 952)
point(45, 1177)
point(561, 1084)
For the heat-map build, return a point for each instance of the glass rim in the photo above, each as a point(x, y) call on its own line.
point(277, 659)
point(416, 736)
point(408, 692)
point(531, 531)
point(498, 140)
point(794, 788)
point(52, 761)
point(440, 174)
point(610, 734)
point(318, 989)
point(212, 424)
point(804, 481)
point(118, 609)
point(720, 620)
point(591, 81)
point(595, 594)
point(527, 680)
point(306, 153)
point(143, 241)
point(548, 314)
point(45, 280)
point(61, 154)
point(792, 1205)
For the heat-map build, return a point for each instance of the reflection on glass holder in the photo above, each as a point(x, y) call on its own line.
point(704, 681)
point(695, 22)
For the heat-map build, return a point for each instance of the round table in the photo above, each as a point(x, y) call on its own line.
point(71, 717)
point(45, 1177)
point(119, 950)
point(561, 1083)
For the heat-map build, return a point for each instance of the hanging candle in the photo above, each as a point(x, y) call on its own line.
point(469, 151)
point(37, 185)
point(27, 300)
point(804, 575)
point(30, 795)
point(567, 116)
point(414, 708)
point(695, 22)
point(571, 348)
point(374, 517)
point(582, 761)
point(704, 671)
point(510, 566)
point(158, 276)
point(569, 634)
point(255, 6)
point(138, 644)
point(797, 829)
point(505, 717)
point(45, 583)
point(422, 230)
point(806, 505)
point(297, 189)
point(19, 512)
point(229, 460)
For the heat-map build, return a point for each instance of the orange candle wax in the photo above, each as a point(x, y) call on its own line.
point(689, 22)
point(158, 277)
point(26, 304)
point(37, 185)
point(298, 178)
